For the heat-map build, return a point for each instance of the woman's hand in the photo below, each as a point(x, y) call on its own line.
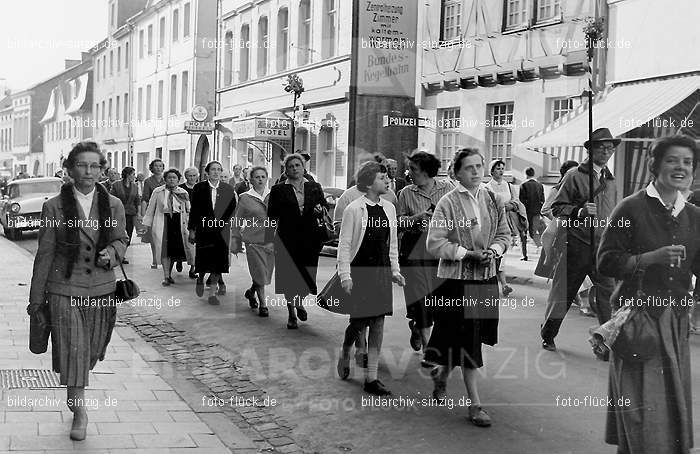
point(103, 259)
point(192, 237)
point(666, 256)
point(318, 209)
point(398, 279)
point(347, 285)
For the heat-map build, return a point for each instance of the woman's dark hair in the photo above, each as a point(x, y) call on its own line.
point(566, 166)
point(126, 171)
point(425, 162)
point(658, 150)
point(255, 169)
point(368, 173)
point(83, 147)
point(151, 166)
point(464, 153)
point(495, 163)
point(206, 169)
point(175, 171)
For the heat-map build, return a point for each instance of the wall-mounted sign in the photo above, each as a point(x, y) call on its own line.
point(199, 113)
point(410, 122)
point(199, 127)
point(262, 129)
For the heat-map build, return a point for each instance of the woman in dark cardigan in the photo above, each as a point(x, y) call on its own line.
point(295, 207)
point(210, 229)
point(126, 191)
point(652, 242)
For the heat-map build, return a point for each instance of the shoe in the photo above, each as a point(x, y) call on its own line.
point(199, 287)
point(209, 281)
point(425, 364)
point(415, 340)
point(549, 345)
point(213, 300)
point(507, 290)
point(479, 417)
point(125, 262)
point(171, 280)
point(192, 274)
point(221, 290)
point(586, 312)
point(292, 323)
point(165, 282)
point(263, 312)
point(154, 267)
point(343, 368)
point(302, 314)
point(439, 385)
point(377, 388)
point(78, 430)
point(524, 259)
point(178, 267)
point(250, 295)
point(361, 360)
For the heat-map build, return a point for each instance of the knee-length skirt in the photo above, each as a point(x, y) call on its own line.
point(261, 262)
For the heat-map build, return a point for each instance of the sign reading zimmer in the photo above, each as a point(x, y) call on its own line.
point(386, 57)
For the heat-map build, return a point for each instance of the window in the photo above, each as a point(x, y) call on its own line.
point(228, 58)
point(304, 47)
point(104, 67)
point(111, 62)
point(112, 18)
point(243, 70)
point(150, 39)
point(263, 45)
point(451, 20)
point(515, 13)
point(160, 99)
point(119, 59)
point(449, 124)
point(117, 112)
point(124, 164)
point(500, 133)
point(161, 31)
point(139, 108)
point(142, 43)
point(126, 108)
point(176, 23)
point(184, 92)
point(173, 94)
point(126, 55)
point(330, 29)
point(282, 38)
point(339, 163)
point(548, 9)
point(159, 152)
point(176, 159)
point(109, 113)
point(560, 107)
point(97, 119)
point(148, 102)
point(104, 114)
point(186, 21)
point(97, 72)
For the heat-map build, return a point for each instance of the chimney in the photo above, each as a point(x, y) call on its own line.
point(71, 63)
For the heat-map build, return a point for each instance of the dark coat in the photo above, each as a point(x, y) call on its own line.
point(212, 226)
point(130, 200)
point(532, 196)
point(298, 239)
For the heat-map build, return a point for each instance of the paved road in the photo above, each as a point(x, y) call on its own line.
point(522, 386)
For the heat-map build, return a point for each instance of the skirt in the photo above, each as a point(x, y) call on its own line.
point(261, 262)
point(81, 329)
point(465, 318)
point(173, 247)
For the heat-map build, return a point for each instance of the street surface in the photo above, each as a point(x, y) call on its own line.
point(540, 402)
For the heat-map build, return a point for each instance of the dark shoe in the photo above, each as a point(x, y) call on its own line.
point(549, 345)
point(479, 417)
point(439, 385)
point(154, 267)
point(524, 259)
point(165, 282)
point(507, 290)
point(302, 314)
point(125, 262)
point(343, 368)
point(221, 290)
point(377, 388)
point(192, 273)
point(415, 341)
point(213, 300)
point(199, 287)
point(178, 267)
point(171, 280)
point(209, 281)
point(250, 296)
point(362, 360)
point(292, 324)
point(427, 364)
point(263, 312)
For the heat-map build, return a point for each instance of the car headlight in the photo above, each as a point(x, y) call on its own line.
point(14, 208)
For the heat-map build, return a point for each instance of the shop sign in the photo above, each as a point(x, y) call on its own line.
point(199, 127)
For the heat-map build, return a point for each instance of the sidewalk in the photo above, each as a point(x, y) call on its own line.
point(132, 408)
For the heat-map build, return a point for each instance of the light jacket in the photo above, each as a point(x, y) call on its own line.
point(155, 219)
point(352, 231)
point(250, 221)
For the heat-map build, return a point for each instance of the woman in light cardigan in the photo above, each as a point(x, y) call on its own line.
point(468, 233)
point(368, 262)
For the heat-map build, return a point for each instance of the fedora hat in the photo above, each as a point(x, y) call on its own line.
point(601, 135)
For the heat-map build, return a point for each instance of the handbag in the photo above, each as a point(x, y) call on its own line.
point(333, 297)
point(126, 288)
point(39, 335)
point(638, 339)
point(325, 225)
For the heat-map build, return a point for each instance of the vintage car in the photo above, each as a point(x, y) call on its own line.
point(20, 208)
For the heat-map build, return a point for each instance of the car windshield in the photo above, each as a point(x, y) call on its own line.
point(44, 187)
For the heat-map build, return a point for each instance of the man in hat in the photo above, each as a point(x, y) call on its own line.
point(572, 209)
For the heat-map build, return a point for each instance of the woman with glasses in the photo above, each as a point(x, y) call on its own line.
point(81, 240)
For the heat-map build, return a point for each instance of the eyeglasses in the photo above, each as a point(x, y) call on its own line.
point(94, 167)
point(604, 148)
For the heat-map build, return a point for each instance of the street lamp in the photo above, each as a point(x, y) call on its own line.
point(294, 85)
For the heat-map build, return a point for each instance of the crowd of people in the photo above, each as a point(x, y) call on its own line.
point(435, 237)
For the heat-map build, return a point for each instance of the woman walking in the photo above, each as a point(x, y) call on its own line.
point(468, 254)
point(295, 206)
point(655, 250)
point(367, 265)
point(213, 205)
point(156, 179)
point(249, 227)
point(416, 204)
point(191, 177)
point(166, 217)
point(515, 210)
point(126, 191)
point(73, 274)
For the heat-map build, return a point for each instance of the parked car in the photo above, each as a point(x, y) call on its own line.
point(20, 208)
point(332, 195)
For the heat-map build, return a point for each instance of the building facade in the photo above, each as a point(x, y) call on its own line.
point(6, 166)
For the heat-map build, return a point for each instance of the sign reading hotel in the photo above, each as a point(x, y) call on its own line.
point(262, 129)
point(386, 48)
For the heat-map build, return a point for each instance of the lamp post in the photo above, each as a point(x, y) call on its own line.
point(294, 85)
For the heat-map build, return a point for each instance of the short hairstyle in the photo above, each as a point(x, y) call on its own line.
point(126, 171)
point(390, 161)
point(368, 173)
point(152, 165)
point(464, 153)
point(660, 146)
point(570, 164)
point(530, 172)
point(208, 166)
point(427, 162)
point(255, 169)
point(291, 157)
point(175, 171)
point(494, 163)
point(87, 146)
point(191, 169)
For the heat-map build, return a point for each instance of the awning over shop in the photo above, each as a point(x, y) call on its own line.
point(50, 109)
point(619, 108)
point(77, 102)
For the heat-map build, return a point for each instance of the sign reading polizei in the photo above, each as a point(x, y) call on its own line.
point(386, 48)
point(199, 127)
